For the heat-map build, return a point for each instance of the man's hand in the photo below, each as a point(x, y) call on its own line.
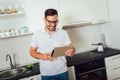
point(70, 52)
point(46, 56)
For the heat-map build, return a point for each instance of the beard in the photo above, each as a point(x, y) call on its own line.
point(51, 28)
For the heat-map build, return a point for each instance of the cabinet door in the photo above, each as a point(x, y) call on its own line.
point(98, 11)
point(71, 73)
point(74, 12)
point(35, 12)
point(113, 74)
point(36, 77)
point(113, 67)
point(112, 61)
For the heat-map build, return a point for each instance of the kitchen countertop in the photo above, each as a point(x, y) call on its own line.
point(30, 72)
point(90, 56)
point(72, 61)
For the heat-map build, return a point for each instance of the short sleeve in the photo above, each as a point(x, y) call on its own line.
point(34, 41)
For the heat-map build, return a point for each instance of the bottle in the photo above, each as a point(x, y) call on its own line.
point(100, 47)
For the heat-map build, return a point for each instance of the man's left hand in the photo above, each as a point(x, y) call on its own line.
point(70, 52)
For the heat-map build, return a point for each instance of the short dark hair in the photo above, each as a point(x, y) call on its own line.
point(51, 12)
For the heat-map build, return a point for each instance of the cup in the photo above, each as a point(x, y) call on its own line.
point(24, 30)
point(12, 32)
point(17, 31)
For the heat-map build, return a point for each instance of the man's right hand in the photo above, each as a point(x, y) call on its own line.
point(46, 56)
point(42, 56)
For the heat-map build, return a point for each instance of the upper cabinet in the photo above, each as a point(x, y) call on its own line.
point(35, 12)
point(74, 12)
point(98, 11)
point(83, 12)
point(71, 12)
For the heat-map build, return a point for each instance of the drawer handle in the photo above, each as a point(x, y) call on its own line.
point(117, 78)
point(116, 57)
point(116, 68)
point(91, 71)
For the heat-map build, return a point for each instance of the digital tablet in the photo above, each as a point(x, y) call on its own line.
point(60, 51)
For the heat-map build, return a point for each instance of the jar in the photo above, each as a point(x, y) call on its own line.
point(100, 47)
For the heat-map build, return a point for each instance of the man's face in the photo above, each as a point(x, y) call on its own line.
point(51, 22)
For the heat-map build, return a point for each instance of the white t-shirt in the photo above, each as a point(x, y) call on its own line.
point(45, 42)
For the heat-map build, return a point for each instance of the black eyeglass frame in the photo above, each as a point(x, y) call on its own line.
point(55, 22)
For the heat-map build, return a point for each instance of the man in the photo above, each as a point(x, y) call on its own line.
point(42, 44)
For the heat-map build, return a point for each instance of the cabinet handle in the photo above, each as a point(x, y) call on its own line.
point(116, 57)
point(117, 78)
point(91, 71)
point(102, 20)
point(78, 22)
point(116, 68)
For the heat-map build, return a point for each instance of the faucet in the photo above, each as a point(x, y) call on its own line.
point(11, 64)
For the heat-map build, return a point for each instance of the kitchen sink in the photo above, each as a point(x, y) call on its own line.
point(11, 73)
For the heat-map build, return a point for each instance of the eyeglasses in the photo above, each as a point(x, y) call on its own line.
point(55, 22)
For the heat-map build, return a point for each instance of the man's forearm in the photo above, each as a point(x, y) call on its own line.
point(35, 54)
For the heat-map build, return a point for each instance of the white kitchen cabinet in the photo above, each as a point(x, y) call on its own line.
point(74, 12)
point(36, 77)
point(98, 11)
point(113, 67)
point(35, 12)
point(71, 73)
point(24, 79)
point(71, 12)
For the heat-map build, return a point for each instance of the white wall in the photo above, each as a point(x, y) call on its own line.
point(15, 45)
point(83, 37)
point(112, 29)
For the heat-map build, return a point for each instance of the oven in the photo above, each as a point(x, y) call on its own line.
point(93, 70)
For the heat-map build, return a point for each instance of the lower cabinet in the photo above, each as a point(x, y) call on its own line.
point(112, 64)
point(71, 73)
point(23, 79)
point(36, 77)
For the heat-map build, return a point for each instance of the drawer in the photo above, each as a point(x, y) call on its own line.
point(113, 74)
point(117, 77)
point(114, 71)
point(112, 61)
